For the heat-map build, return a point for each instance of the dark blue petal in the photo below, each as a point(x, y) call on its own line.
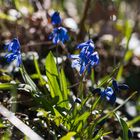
point(13, 46)
point(112, 99)
point(103, 94)
point(59, 35)
point(110, 95)
point(89, 69)
point(123, 86)
point(55, 18)
point(96, 90)
point(10, 57)
point(130, 133)
point(19, 61)
point(115, 85)
point(82, 69)
point(94, 58)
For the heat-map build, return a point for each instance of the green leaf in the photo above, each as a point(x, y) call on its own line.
point(107, 78)
point(99, 135)
point(2, 125)
point(6, 17)
point(128, 29)
point(36, 93)
point(135, 120)
point(29, 81)
point(52, 75)
point(68, 136)
point(7, 86)
point(51, 65)
point(6, 136)
point(128, 55)
point(64, 89)
point(20, 4)
point(120, 72)
point(95, 103)
point(124, 127)
point(42, 112)
point(83, 117)
point(38, 71)
point(58, 117)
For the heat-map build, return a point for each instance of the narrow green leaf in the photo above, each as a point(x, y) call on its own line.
point(58, 117)
point(68, 136)
point(64, 89)
point(135, 120)
point(38, 71)
point(51, 65)
point(6, 86)
point(83, 117)
point(128, 56)
point(52, 75)
point(2, 125)
point(107, 78)
point(29, 81)
point(128, 29)
point(124, 127)
point(120, 72)
point(95, 103)
point(93, 76)
point(6, 17)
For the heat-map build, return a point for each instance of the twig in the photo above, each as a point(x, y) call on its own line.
point(19, 124)
point(82, 22)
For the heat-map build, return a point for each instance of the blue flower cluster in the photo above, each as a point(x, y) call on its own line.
point(87, 58)
point(110, 92)
point(59, 34)
point(14, 51)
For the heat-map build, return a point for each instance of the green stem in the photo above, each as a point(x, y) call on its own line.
point(110, 113)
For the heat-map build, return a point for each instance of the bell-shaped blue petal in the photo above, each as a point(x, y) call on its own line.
point(109, 94)
point(94, 59)
point(14, 51)
point(123, 86)
point(82, 68)
point(55, 18)
point(13, 46)
point(88, 43)
point(117, 87)
point(59, 35)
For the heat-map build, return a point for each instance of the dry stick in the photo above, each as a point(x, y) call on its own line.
point(82, 22)
point(19, 124)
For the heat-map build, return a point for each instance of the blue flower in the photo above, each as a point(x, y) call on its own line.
point(109, 94)
point(59, 35)
point(55, 18)
point(87, 57)
point(117, 87)
point(14, 51)
point(13, 46)
point(87, 47)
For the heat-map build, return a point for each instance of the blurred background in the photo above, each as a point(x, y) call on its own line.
point(114, 26)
